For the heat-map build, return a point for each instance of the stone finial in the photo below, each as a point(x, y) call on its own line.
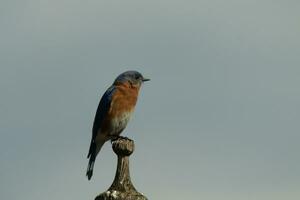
point(123, 147)
point(122, 187)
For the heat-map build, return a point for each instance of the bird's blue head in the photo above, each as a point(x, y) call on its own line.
point(132, 77)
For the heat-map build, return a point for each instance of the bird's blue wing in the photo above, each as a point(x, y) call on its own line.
point(101, 112)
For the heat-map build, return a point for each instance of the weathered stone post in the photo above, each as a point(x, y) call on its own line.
point(122, 187)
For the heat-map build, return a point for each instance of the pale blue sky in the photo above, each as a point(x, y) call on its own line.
point(218, 121)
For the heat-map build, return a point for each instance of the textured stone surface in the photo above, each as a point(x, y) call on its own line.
point(122, 187)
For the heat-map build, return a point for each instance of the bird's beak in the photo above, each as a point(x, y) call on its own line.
point(146, 79)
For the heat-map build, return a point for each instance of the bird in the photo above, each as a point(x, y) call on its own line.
point(113, 113)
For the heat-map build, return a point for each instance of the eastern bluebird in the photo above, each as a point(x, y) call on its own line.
point(113, 112)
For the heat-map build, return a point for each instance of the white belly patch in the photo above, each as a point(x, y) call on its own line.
point(120, 122)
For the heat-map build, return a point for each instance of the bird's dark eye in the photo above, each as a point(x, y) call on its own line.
point(136, 77)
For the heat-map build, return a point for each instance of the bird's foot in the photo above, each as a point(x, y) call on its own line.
point(116, 137)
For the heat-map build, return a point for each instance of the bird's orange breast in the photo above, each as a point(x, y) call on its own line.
point(123, 102)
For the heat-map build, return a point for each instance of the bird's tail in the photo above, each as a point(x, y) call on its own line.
point(94, 150)
point(89, 171)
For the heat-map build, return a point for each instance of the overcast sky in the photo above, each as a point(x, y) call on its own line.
point(220, 119)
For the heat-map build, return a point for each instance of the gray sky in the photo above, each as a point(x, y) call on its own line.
point(219, 120)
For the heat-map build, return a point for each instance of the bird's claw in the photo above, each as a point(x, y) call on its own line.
point(114, 138)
